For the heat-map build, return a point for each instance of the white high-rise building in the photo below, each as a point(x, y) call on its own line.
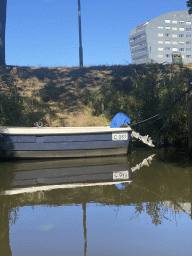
point(157, 39)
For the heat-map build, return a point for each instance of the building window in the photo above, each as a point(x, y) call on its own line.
point(181, 29)
point(167, 21)
point(167, 42)
point(160, 27)
point(160, 49)
point(188, 42)
point(160, 55)
point(174, 42)
point(188, 56)
point(138, 44)
point(142, 50)
point(141, 27)
point(188, 49)
point(167, 28)
point(188, 35)
point(188, 29)
point(181, 43)
point(140, 58)
point(174, 35)
point(188, 22)
point(173, 28)
point(160, 42)
point(167, 34)
point(174, 21)
point(183, 56)
point(167, 48)
point(181, 22)
point(181, 35)
point(174, 49)
point(160, 35)
point(138, 37)
point(181, 49)
point(167, 55)
point(139, 51)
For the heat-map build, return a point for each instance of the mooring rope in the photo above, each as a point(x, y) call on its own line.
point(164, 110)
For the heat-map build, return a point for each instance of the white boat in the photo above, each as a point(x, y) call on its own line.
point(53, 142)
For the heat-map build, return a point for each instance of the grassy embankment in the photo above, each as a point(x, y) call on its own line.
point(91, 96)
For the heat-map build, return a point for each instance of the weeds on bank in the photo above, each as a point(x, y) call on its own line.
point(64, 96)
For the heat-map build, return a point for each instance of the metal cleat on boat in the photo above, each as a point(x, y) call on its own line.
point(38, 124)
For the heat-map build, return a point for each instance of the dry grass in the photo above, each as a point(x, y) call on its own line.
point(59, 95)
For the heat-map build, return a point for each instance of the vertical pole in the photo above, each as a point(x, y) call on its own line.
point(189, 114)
point(80, 39)
point(3, 8)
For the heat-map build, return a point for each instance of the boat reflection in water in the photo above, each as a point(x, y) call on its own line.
point(20, 179)
point(59, 174)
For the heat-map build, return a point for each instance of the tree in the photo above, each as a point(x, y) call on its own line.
point(3, 6)
point(189, 4)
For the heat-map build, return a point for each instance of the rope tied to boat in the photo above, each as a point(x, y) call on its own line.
point(167, 108)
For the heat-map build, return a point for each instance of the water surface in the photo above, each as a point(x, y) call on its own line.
point(45, 210)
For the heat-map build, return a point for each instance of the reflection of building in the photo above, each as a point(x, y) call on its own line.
point(179, 207)
point(157, 39)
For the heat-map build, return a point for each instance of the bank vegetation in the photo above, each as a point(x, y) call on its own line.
point(91, 96)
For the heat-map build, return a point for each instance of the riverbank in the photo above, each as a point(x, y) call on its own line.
point(91, 96)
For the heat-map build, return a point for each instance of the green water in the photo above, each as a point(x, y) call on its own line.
point(149, 215)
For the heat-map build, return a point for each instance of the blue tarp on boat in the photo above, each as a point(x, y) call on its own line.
point(119, 119)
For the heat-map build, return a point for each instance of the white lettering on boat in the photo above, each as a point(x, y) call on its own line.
point(122, 175)
point(120, 136)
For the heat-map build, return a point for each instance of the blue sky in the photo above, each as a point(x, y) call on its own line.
point(45, 32)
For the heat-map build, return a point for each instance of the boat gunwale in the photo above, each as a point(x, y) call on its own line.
point(60, 130)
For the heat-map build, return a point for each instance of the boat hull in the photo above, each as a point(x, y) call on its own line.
point(63, 142)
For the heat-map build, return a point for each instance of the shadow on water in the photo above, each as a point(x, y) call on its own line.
point(142, 179)
point(179, 157)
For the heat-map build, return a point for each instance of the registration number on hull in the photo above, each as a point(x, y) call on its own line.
point(122, 175)
point(120, 136)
